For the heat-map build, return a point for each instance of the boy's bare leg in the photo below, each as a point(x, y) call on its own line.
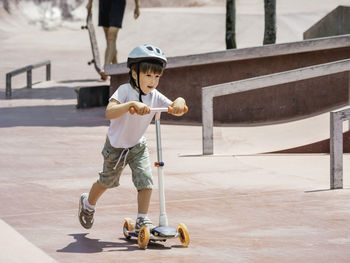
point(143, 200)
point(95, 193)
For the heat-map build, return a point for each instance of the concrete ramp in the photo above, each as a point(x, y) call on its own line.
point(319, 146)
point(16, 248)
point(337, 22)
point(309, 135)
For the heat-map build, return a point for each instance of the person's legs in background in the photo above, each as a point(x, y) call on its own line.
point(111, 34)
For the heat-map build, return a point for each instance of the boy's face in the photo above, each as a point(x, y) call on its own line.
point(148, 81)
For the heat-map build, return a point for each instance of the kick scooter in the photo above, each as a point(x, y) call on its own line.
point(163, 231)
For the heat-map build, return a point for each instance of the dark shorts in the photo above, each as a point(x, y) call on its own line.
point(111, 13)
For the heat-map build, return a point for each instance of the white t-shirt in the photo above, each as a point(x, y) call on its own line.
point(128, 130)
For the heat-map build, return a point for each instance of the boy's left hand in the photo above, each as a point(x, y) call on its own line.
point(178, 107)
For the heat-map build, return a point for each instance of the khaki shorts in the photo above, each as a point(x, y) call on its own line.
point(137, 158)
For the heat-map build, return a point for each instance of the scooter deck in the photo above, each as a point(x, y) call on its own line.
point(160, 233)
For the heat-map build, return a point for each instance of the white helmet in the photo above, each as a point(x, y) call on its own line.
point(146, 52)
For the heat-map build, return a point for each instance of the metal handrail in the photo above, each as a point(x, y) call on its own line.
point(209, 92)
point(28, 69)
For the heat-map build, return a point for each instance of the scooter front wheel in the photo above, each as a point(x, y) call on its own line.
point(143, 238)
point(184, 236)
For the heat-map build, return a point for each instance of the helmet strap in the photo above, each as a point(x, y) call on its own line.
point(138, 83)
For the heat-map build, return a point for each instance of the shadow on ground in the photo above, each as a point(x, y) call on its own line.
point(53, 116)
point(57, 93)
point(83, 244)
point(61, 90)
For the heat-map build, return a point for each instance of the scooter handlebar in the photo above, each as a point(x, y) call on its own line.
point(168, 110)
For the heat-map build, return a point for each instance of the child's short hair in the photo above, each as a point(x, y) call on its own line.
point(148, 66)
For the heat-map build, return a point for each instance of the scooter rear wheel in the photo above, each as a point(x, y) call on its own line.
point(143, 238)
point(127, 227)
point(184, 236)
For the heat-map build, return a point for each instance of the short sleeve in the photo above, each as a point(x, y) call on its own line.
point(162, 101)
point(120, 94)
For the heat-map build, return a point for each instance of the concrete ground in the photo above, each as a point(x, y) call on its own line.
point(238, 208)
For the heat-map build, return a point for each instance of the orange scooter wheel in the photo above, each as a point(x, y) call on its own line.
point(127, 227)
point(184, 236)
point(143, 238)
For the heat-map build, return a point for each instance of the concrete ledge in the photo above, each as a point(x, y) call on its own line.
point(245, 53)
point(94, 96)
point(15, 248)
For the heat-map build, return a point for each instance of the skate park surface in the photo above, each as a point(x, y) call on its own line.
point(239, 205)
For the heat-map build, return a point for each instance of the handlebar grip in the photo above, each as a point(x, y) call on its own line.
point(133, 111)
point(170, 109)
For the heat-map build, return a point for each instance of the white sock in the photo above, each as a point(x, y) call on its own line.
point(141, 215)
point(88, 206)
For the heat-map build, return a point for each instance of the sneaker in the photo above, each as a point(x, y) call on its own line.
point(86, 216)
point(143, 221)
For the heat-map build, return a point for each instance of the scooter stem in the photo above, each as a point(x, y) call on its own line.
point(163, 219)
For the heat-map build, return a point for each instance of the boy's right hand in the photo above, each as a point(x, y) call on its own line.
point(140, 108)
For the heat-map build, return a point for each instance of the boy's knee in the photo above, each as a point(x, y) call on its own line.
point(143, 181)
point(109, 181)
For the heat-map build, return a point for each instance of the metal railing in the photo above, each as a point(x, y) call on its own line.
point(337, 117)
point(208, 93)
point(28, 69)
point(336, 146)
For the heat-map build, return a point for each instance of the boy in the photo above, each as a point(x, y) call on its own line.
point(125, 143)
